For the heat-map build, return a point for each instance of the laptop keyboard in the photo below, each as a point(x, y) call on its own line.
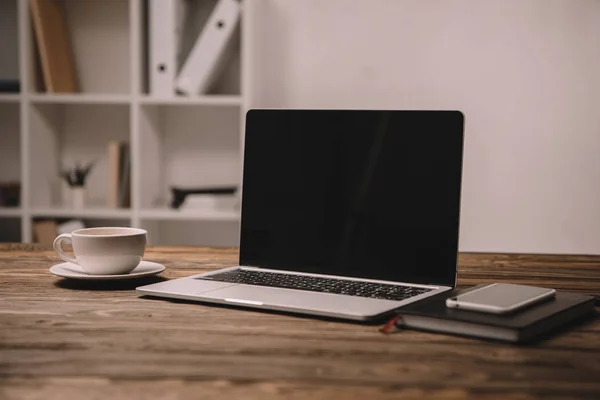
point(318, 284)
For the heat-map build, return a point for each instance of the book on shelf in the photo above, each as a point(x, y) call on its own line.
point(54, 46)
point(119, 174)
point(45, 232)
point(210, 50)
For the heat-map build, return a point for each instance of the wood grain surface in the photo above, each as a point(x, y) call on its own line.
point(63, 339)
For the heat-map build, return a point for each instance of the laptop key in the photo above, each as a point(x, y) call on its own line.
point(318, 284)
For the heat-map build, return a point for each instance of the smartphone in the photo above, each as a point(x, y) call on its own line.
point(500, 298)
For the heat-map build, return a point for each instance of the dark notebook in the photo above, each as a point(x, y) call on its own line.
point(522, 326)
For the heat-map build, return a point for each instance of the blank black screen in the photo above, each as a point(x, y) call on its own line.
point(361, 193)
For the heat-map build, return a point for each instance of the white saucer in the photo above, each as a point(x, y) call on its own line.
point(74, 271)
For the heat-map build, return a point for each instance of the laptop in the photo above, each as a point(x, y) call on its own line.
point(345, 213)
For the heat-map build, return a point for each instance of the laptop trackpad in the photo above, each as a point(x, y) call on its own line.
point(287, 299)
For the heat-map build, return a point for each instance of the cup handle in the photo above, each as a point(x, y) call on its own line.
point(57, 242)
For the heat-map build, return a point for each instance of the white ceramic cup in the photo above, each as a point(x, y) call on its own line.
point(104, 251)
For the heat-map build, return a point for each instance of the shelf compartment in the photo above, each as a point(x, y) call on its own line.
point(187, 147)
point(227, 78)
point(10, 230)
point(9, 46)
point(65, 134)
point(10, 147)
point(100, 36)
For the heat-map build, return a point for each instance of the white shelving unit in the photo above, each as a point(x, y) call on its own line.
point(10, 212)
point(175, 141)
point(9, 98)
point(79, 99)
point(214, 100)
point(89, 213)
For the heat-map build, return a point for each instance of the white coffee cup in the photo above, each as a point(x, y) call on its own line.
point(104, 251)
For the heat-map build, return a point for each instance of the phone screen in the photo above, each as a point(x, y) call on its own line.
point(502, 295)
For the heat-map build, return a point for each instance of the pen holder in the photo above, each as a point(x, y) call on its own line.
point(75, 178)
point(77, 196)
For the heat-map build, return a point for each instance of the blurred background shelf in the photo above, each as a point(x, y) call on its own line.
point(10, 212)
point(189, 141)
point(10, 98)
point(79, 98)
point(102, 213)
point(189, 215)
point(208, 100)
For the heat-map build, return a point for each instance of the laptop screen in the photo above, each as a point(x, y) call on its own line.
point(358, 193)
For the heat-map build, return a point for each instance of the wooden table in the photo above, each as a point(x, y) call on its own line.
point(64, 339)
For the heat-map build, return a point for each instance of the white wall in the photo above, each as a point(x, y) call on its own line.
point(525, 72)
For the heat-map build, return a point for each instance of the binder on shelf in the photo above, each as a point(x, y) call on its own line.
point(54, 46)
point(119, 174)
point(165, 29)
point(202, 65)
